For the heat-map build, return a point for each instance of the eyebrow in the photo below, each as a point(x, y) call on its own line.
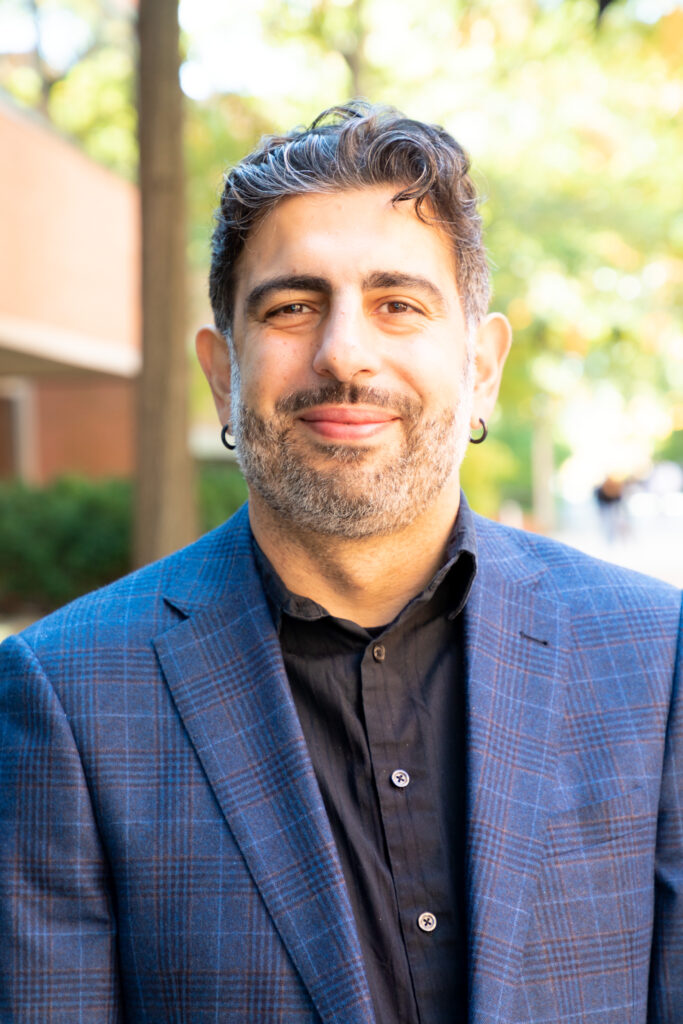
point(285, 283)
point(377, 279)
point(397, 279)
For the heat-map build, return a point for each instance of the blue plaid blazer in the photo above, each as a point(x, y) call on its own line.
point(164, 850)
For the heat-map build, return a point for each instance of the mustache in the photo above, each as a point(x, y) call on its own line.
point(336, 392)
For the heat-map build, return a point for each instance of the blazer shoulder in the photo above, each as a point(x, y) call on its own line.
point(572, 576)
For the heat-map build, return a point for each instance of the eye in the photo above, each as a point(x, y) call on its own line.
point(396, 306)
point(289, 309)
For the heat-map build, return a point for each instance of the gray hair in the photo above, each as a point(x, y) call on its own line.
point(354, 146)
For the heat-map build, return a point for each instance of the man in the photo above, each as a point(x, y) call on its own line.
point(358, 755)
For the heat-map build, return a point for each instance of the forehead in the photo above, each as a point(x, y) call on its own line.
point(345, 236)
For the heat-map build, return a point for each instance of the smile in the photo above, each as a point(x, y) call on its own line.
point(347, 423)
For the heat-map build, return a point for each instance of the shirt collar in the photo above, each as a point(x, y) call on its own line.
point(461, 551)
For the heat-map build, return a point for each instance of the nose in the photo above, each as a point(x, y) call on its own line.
point(345, 349)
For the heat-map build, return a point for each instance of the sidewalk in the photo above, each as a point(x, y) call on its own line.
point(652, 541)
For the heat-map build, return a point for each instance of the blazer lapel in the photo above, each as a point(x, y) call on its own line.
point(515, 651)
point(224, 668)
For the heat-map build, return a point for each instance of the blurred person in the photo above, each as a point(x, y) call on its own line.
point(610, 499)
point(359, 754)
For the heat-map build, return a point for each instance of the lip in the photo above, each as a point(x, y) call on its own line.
point(347, 422)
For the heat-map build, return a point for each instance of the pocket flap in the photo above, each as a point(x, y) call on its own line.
point(591, 824)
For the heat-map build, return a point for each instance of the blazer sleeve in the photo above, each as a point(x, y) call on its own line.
point(666, 968)
point(58, 947)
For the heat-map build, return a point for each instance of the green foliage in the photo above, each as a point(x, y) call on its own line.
point(63, 540)
point(221, 492)
point(328, 28)
point(58, 542)
point(671, 450)
point(483, 470)
point(94, 103)
point(217, 135)
point(79, 72)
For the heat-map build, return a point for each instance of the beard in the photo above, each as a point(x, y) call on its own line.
point(350, 491)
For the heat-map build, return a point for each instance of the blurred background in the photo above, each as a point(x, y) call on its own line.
point(117, 120)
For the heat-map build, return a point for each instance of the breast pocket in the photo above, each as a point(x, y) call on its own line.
point(590, 932)
point(596, 876)
point(594, 824)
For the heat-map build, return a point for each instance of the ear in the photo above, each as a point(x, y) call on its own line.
point(494, 337)
point(214, 358)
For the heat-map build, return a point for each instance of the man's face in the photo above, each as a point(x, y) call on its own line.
point(353, 374)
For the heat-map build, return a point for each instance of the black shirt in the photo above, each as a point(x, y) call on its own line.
point(383, 714)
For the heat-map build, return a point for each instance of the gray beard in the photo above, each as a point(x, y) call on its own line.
point(359, 493)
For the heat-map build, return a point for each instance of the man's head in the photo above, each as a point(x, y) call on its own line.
point(350, 281)
point(349, 148)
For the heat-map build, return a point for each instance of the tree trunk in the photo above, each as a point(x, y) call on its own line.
point(165, 517)
point(355, 55)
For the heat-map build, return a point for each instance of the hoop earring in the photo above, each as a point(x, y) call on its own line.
point(227, 438)
point(482, 437)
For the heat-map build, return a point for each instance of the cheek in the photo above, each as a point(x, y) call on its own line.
point(435, 372)
point(273, 368)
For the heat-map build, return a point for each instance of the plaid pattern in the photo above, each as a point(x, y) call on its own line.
point(164, 852)
point(571, 668)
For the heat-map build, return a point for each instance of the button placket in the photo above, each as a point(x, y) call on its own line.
point(396, 738)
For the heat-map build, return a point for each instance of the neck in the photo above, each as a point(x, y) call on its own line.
point(367, 580)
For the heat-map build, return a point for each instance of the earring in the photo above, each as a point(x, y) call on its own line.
point(484, 433)
point(227, 438)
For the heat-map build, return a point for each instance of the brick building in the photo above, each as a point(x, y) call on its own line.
point(69, 307)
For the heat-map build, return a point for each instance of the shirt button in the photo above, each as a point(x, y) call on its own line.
point(379, 652)
point(400, 778)
point(426, 922)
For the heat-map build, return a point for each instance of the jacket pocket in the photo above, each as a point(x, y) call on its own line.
point(592, 824)
point(588, 947)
